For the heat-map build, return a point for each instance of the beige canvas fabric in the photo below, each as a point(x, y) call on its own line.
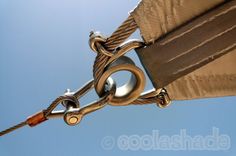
point(215, 79)
point(156, 18)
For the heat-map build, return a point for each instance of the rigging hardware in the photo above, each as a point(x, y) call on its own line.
point(110, 59)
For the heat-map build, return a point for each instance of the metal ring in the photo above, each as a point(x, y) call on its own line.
point(128, 92)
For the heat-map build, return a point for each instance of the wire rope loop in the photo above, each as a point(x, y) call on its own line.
point(96, 43)
point(165, 99)
point(70, 101)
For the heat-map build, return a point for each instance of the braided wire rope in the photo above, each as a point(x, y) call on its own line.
point(46, 113)
point(127, 28)
point(13, 128)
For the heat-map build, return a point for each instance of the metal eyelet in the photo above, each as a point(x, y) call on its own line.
point(128, 92)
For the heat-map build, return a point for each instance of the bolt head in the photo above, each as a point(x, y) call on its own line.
point(73, 120)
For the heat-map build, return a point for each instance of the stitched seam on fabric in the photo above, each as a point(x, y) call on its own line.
point(197, 26)
point(219, 52)
point(203, 43)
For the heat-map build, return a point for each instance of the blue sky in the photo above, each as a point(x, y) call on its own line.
point(44, 50)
